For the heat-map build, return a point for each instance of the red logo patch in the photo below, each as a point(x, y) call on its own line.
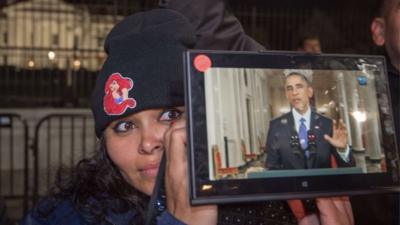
point(116, 100)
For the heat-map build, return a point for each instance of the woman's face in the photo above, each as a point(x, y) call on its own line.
point(136, 143)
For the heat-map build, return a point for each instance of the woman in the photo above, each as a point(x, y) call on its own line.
point(113, 187)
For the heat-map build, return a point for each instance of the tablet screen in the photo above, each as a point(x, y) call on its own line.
point(279, 125)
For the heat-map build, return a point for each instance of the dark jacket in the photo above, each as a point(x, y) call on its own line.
point(216, 29)
point(282, 155)
point(65, 214)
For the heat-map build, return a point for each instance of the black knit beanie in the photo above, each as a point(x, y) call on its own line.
point(144, 67)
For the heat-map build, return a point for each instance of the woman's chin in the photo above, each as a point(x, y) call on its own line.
point(148, 190)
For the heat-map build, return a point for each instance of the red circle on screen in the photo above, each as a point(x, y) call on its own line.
point(202, 62)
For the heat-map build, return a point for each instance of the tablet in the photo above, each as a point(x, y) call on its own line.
point(285, 125)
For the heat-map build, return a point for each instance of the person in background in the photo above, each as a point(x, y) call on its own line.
point(385, 31)
point(309, 43)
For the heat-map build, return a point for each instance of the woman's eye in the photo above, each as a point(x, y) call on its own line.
point(123, 126)
point(170, 114)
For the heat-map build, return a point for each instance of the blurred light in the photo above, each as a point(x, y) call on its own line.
point(51, 55)
point(326, 92)
point(206, 187)
point(359, 116)
point(77, 63)
point(31, 63)
point(322, 109)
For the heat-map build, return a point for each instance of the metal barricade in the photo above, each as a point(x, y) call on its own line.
point(14, 160)
point(60, 140)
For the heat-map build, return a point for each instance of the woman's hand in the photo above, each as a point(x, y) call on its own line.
point(332, 211)
point(177, 180)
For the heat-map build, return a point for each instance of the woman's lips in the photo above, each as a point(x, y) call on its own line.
point(150, 170)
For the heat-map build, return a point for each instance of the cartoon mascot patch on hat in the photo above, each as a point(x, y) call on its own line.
point(116, 100)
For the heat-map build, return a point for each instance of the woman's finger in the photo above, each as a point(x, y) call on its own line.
point(335, 211)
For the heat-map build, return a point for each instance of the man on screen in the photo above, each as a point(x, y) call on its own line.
point(302, 138)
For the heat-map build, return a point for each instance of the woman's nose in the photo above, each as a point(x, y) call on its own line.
point(151, 140)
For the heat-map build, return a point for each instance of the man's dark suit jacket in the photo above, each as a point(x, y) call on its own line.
point(282, 155)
